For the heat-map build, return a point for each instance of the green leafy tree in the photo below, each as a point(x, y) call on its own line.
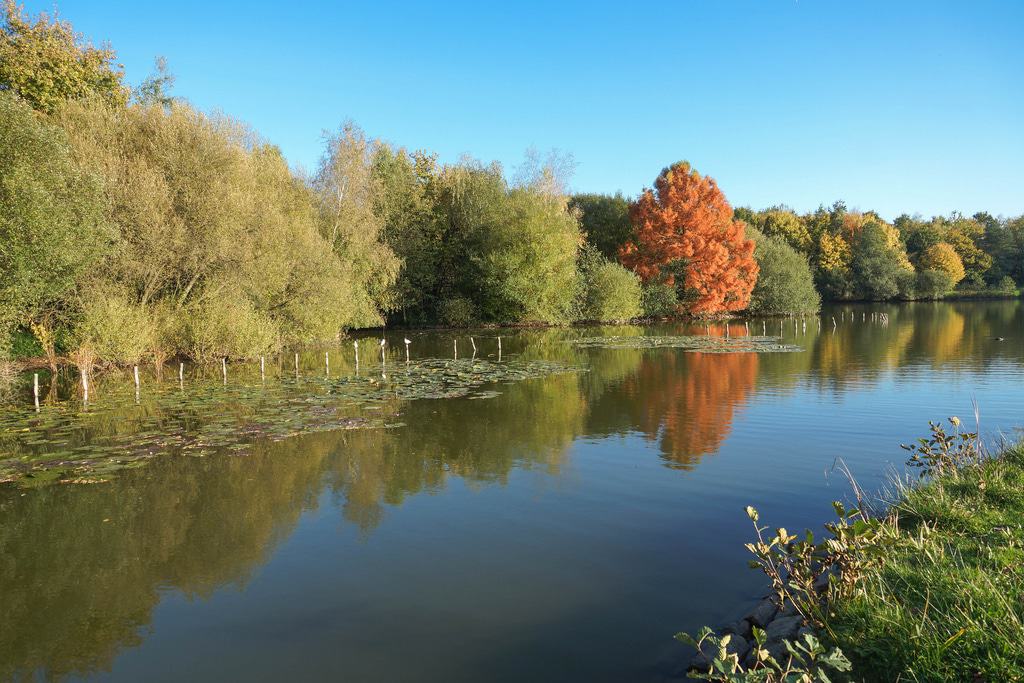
point(346, 187)
point(529, 260)
point(605, 220)
point(46, 63)
point(52, 224)
point(877, 270)
point(156, 89)
point(785, 283)
point(403, 203)
point(783, 223)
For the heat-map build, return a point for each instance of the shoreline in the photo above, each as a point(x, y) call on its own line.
point(870, 583)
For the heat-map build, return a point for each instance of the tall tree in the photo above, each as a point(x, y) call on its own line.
point(46, 63)
point(943, 257)
point(605, 220)
point(684, 228)
point(52, 224)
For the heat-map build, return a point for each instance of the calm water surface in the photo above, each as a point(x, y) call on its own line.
point(563, 530)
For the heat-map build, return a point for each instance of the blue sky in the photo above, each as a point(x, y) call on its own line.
point(896, 106)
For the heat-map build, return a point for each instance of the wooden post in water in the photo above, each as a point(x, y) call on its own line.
point(456, 342)
point(135, 370)
point(327, 362)
point(355, 345)
point(473, 342)
point(263, 373)
point(85, 385)
point(746, 326)
point(181, 372)
point(35, 389)
point(764, 328)
point(224, 368)
point(407, 342)
point(296, 364)
point(499, 348)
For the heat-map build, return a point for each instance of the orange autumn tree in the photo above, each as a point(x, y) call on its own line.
point(686, 227)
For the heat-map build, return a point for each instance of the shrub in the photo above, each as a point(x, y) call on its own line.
point(933, 284)
point(609, 292)
point(658, 299)
point(115, 330)
point(227, 327)
point(785, 283)
point(972, 283)
point(1006, 285)
point(456, 312)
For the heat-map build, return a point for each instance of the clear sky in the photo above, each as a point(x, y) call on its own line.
point(895, 106)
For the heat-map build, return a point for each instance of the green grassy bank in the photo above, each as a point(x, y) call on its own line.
point(947, 603)
point(930, 590)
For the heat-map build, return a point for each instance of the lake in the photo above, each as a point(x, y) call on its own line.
point(560, 524)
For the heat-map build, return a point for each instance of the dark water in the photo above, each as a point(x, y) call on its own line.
point(563, 530)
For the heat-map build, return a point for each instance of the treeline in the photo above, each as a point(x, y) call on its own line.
point(133, 226)
point(844, 255)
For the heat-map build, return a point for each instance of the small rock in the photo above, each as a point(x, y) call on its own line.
point(740, 628)
point(778, 650)
point(763, 613)
point(737, 645)
point(783, 628)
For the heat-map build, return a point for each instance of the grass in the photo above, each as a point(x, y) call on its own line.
point(948, 602)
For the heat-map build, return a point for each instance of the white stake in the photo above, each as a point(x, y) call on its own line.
point(764, 328)
point(263, 373)
point(327, 361)
point(224, 368)
point(296, 365)
point(136, 371)
point(85, 385)
point(355, 345)
point(746, 326)
point(456, 348)
point(35, 389)
point(181, 372)
point(499, 348)
point(407, 342)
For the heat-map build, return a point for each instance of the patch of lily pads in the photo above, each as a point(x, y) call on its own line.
point(73, 443)
point(703, 344)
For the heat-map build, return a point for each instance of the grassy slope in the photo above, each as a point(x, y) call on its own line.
point(949, 604)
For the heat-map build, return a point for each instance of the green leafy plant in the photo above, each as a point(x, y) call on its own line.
point(943, 452)
point(796, 565)
point(807, 660)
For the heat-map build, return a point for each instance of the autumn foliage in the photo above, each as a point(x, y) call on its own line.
point(686, 227)
point(943, 257)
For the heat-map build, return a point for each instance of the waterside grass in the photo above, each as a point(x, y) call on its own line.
point(948, 603)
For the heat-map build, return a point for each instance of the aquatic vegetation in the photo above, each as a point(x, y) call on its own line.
point(71, 442)
point(706, 344)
